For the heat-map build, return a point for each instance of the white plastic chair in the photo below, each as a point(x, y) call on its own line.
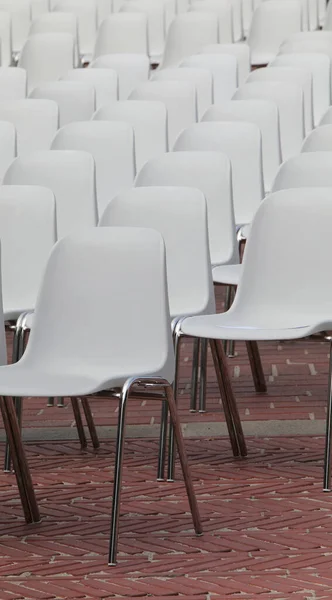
point(7, 146)
point(71, 177)
point(265, 114)
point(13, 84)
point(308, 169)
point(223, 10)
point(46, 57)
point(319, 140)
point(327, 117)
point(179, 98)
point(241, 53)
point(20, 12)
point(187, 35)
point(320, 67)
point(242, 143)
point(131, 70)
point(35, 121)
point(223, 69)
point(57, 22)
point(272, 23)
point(289, 99)
point(76, 100)
point(6, 39)
point(314, 46)
point(122, 33)
point(282, 294)
point(309, 36)
point(156, 15)
point(201, 78)
point(104, 81)
point(112, 146)
point(298, 76)
point(86, 14)
point(61, 350)
point(149, 122)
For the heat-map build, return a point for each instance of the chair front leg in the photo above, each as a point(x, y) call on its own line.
point(171, 443)
point(256, 367)
point(203, 375)
point(194, 375)
point(79, 422)
point(90, 423)
point(328, 435)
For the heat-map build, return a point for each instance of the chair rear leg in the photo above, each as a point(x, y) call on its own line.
point(194, 375)
point(328, 435)
point(256, 367)
point(162, 441)
point(79, 422)
point(203, 375)
point(90, 423)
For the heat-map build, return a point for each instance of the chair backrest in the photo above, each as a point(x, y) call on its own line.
point(179, 98)
point(283, 284)
point(199, 77)
point(6, 38)
point(298, 76)
point(289, 99)
point(13, 84)
point(86, 14)
point(122, 33)
point(210, 172)
point(223, 69)
point(308, 169)
point(180, 215)
point(104, 81)
point(272, 23)
point(309, 36)
point(20, 13)
point(223, 10)
point(76, 100)
point(319, 140)
point(319, 66)
point(7, 146)
point(112, 146)
point(36, 123)
point(100, 272)
point(327, 117)
point(46, 57)
point(149, 122)
point(241, 53)
point(265, 114)
point(187, 35)
point(298, 46)
point(57, 22)
point(155, 14)
point(242, 143)
point(71, 177)
point(27, 233)
point(131, 69)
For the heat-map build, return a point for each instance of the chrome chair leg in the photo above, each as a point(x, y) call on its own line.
point(328, 435)
point(256, 367)
point(18, 350)
point(171, 441)
point(162, 441)
point(50, 402)
point(61, 402)
point(203, 374)
point(79, 422)
point(90, 423)
point(227, 305)
point(194, 375)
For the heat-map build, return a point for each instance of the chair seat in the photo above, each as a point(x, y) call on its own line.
point(227, 274)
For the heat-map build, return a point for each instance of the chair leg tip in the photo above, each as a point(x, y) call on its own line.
point(326, 489)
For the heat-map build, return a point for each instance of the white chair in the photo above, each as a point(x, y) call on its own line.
point(301, 77)
point(314, 46)
point(309, 36)
point(7, 146)
point(131, 70)
point(57, 22)
point(20, 13)
point(187, 35)
point(71, 177)
point(241, 53)
point(35, 121)
point(320, 67)
point(242, 143)
point(112, 146)
point(76, 100)
point(265, 114)
point(156, 15)
point(308, 169)
point(179, 98)
point(6, 39)
point(327, 117)
point(89, 266)
point(199, 77)
point(319, 140)
point(289, 99)
point(46, 57)
point(13, 84)
point(223, 10)
point(272, 23)
point(122, 33)
point(223, 69)
point(149, 122)
point(104, 81)
point(86, 14)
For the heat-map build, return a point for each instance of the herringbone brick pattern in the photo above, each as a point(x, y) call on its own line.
point(267, 525)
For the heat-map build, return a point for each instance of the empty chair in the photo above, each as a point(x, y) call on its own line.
point(200, 78)
point(46, 57)
point(309, 169)
point(112, 147)
point(314, 46)
point(149, 122)
point(301, 77)
point(272, 23)
point(289, 99)
point(20, 14)
point(319, 140)
point(223, 69)
point(131, 70)
point(76, 100)
point(187, 35)
point(104, 81)
point(13, 84)
point(7, 146)
point(122, 33)
point(241, 53)
point(6, 39)
point(327, 117)
point(309, 36)
point(241, 142)
point(320, 67)
point(265, 114)
point(71, 177)
point(223, 10)
point(179, 98)
point(56, 22)
point(35, 121)
point(209, 172)
point(155, 13)
point(86, 14)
